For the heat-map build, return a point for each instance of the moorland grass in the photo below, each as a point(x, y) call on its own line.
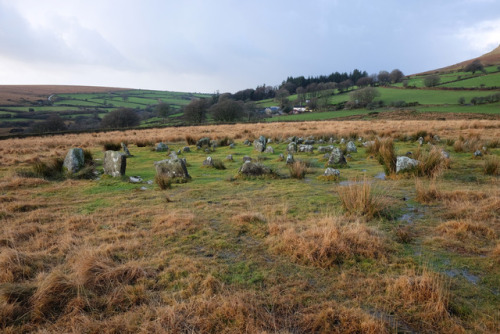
point(250, 255)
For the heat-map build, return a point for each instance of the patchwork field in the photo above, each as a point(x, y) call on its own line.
point(368, 252)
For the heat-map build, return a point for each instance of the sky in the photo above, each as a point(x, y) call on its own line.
point(230, 45)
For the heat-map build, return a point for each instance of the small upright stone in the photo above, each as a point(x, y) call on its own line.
point(74, 160)
point(172, 168)
point(306, 148)
point(289, 159)
point(114, 163)
point(292, 147)
point(208, 162)
point(260, 144)
point(186, 149)
point(247, 142)
point(331, 172)
point(229, 157)
point(232, 145)
point(336, 157)
point(205, 141)
point(269, 149)
point(161, 147)
point(125, 149)
point(404, 163)
point(420, 140)
point(351, 147)
point(478, 153)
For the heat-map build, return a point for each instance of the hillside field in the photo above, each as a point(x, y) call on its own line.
point(368, 252)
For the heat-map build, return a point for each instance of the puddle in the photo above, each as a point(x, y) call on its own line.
point(411, 215)
point(463, 272)
point(349, 183)
point(380, 176)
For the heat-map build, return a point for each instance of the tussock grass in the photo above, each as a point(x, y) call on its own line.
point(16, 266)
point(359, 199)
point(97, 272)
point(298, 170)
point(432, 162)
point(466, 230)
point(190, 140)
point(423, 297)
point(383, 149)
point(330, 317)
point(468, 145)
point(465, 236)
point(164, 182)
point(492, 166)
point(111, 146)
point(327, 242)
point(54, 292)
point(144, 143)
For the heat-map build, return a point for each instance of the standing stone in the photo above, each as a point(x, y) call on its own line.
point(229, 157)
point(269, 149)
point(292, 147)
point(125, 149)
point(260, 144)
point(208, 162)
point(254, 169)
point(161, 147)
point(247, 142)
point(114, 163)
point(351, 147)
point(337, 157)
point(173, 155)
point(186, 149)
point(309, 142)
point(289, 159)
point(214, 143)
point(232, 145)
point(325, 149)
point(281, 157)
point(172, 168)
point(205, 141)
point(331, 172)
point(404, 163)
point(478, 153)
point(420, 140)
point(74, 160)
point(306, 148)
point(342, 141)
point(445, 154)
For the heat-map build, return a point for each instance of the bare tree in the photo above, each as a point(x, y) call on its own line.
point(196, 111)
point(121, 118)
point(396, 76)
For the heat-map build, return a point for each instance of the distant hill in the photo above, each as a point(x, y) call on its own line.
point(490, 58)
point(20, 94)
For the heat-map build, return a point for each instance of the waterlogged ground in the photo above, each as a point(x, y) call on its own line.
point(228, 254)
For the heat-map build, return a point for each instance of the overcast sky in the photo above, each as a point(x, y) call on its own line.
point(229, 45)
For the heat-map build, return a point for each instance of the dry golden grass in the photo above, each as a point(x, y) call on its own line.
point(327, 242)
point(19, 151)
point(424, 296)
point(330, 317)
point(358, 198)
point(465, 237)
